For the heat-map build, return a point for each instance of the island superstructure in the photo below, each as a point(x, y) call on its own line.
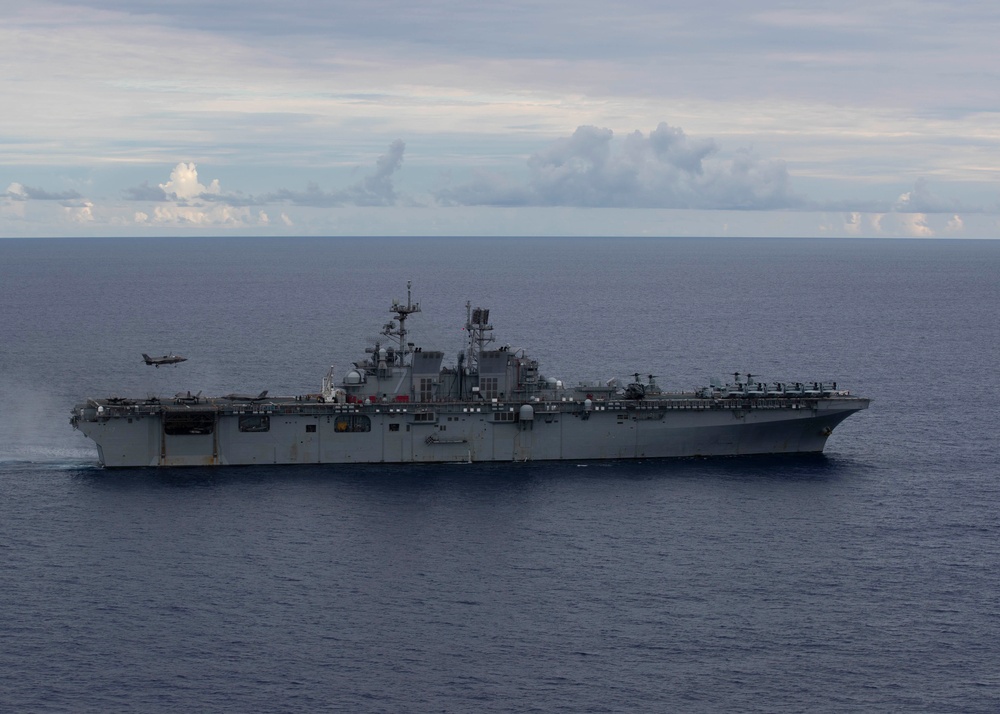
point(402, 404)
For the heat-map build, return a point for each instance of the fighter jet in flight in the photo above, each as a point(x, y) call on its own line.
point(165, 359)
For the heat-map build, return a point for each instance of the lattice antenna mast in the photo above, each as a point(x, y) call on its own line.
point(477, 324)
point(402, 312)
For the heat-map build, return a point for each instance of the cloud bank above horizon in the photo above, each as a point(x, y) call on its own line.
point(589, 118)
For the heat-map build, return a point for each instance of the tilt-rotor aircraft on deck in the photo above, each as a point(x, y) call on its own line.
point(400, 404)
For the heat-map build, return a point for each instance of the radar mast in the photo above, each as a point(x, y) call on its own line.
point(402, 312)
point(477, 324)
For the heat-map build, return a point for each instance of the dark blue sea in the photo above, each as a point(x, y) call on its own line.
point(867, 579)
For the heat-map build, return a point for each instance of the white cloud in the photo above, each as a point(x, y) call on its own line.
point(16, 191)
point(915, 225)
point(665, 169)
point(852, 223)
point(183, 201)
point(910, 225)
point(183, 183)
point(81, 213)
point(201, 216)
point(20, 192)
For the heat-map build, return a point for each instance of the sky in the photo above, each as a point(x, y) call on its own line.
point(559, 117)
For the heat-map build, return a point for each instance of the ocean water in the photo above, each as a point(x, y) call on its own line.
point(862, 580)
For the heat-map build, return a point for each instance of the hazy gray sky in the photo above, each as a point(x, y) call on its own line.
point(444, 117)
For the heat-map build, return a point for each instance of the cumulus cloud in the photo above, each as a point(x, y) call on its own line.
point(665, 169)
point(896, 224)
point(217, 215)
point(184, 201)
point(184, 184)
point(852, 223)
point(20, 192)
point(82, 212)
point(916, 225)
point(375, 189)
point(184, 187)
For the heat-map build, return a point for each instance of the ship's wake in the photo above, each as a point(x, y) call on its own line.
point(34, 433)
point(48, 458)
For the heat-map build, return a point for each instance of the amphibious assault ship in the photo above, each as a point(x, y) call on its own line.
point(401, 404)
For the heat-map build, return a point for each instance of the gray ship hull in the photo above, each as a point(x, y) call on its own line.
point(293, 432)
point(401, 404)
